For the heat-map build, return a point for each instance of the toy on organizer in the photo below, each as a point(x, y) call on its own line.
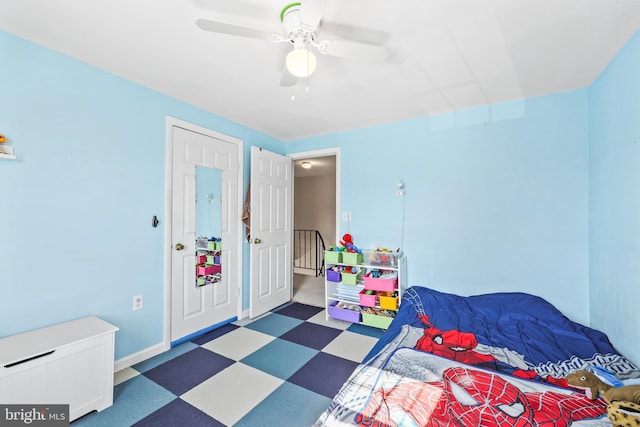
point(624, 401)
point(346, 239)
point(352, 269)
point(380, 256)
point(347, 244)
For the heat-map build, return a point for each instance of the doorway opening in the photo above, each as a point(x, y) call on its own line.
point(315, 212)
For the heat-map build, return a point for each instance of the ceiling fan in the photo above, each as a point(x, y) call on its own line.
point(302, 22)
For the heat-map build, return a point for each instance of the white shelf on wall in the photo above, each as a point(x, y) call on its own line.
point(6, 152)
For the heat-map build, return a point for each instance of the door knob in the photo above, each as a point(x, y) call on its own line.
point(179, 246)
point(257, 241)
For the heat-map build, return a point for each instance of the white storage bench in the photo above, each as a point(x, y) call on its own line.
point(69, 363)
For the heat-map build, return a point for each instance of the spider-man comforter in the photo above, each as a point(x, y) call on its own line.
point(486, 360)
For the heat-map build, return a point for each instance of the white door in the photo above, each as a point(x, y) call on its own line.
point(195, 308)
point(271, 235)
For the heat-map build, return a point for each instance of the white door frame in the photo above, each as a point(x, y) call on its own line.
point(172, 121)
point(334, 151)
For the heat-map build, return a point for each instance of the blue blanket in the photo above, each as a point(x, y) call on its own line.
point(508, 332)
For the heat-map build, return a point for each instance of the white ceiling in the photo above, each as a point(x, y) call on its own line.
point(446, 55)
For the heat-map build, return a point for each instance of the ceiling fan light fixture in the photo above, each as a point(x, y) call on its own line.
point(301, 62)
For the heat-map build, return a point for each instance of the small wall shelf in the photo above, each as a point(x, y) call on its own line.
point(6, 152)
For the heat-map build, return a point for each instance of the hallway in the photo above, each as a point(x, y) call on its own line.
point(308, 290)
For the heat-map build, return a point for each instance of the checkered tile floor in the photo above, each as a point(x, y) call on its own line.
point(281, 369)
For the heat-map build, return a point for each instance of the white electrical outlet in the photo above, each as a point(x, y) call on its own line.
point(138, 302)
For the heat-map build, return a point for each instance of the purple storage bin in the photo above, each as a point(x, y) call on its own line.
point(333, 276)
point(343, 313)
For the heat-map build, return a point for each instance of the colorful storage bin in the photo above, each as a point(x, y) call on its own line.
point(331, 257)
point(381, 259)
point(350, 278)
point(368, 298)
point(213, 259)
point(333, 276)
point(214, 246)
point(382, 283)
point(343, 313)
point(376, 321)
point(351, 258)
point(388, 300)
point(201, 259)
point(205, 270)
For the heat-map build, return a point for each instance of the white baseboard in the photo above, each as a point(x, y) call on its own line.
point(140, 356)
point(149, 352)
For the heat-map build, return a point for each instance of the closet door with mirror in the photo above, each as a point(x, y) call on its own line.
point(205, 231)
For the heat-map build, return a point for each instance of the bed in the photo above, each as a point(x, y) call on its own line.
point(487, 360)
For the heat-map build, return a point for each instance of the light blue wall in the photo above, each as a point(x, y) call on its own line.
point(615, 200)
point(496, 197)
point(76, 206)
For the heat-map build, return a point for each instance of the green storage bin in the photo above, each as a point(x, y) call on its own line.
point(214, 246)
point(351, 279)
point(382, 322)
point(331, 257)
point(350, 258)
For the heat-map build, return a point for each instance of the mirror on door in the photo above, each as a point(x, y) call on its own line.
point(208, 226)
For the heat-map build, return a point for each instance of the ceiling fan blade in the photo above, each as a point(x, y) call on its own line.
point(287, 79)
point(246, 8)
point(354, 33)
point(235, 30)
point(354, 50)
point(311, 11)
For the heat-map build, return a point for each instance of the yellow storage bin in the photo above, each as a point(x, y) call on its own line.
point(388, 300)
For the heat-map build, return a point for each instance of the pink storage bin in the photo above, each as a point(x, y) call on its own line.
point(368, 300)
point(380, 284)
point(201, 259)
point(205, 270)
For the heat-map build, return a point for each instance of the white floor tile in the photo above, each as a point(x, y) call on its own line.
point(229, 395)
point(321, 319)
point(350, 345)
point(124, 375)
point(238, 343)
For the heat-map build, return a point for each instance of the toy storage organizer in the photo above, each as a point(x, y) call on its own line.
point(208, 257)
point(361, 297)
point(69, 363)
